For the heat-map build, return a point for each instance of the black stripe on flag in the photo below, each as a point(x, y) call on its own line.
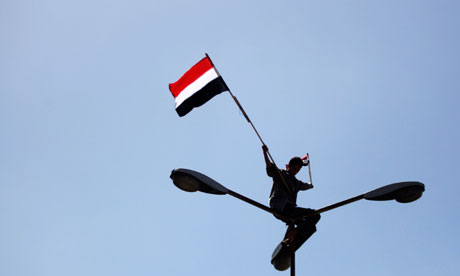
point(213, 88)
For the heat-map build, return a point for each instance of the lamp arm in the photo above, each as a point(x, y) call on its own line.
point(339, 204)
point(258, 205)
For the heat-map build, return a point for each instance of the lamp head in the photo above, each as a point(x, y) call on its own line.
point(185, 181)
point(192, 181)
point(403, 192)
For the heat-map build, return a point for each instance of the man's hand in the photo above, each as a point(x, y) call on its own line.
point(267, 161)
point(264, 148)
point(311, 185)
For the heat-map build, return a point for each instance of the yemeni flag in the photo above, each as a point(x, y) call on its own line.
point(197, 86)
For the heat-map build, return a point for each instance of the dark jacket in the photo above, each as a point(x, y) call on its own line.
point(279, 195)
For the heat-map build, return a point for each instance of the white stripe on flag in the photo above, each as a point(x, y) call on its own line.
point(195, 86)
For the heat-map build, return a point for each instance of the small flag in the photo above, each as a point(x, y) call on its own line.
point(306, 159)
point(197, 86)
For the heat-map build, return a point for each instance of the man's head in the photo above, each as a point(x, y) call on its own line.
point(295, 164)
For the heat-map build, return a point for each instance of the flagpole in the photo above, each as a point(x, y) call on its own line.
point(309, 168)
point(250, 122)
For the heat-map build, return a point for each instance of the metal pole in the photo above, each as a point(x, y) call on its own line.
point(250, 122)
point(257, 204)
point(240, 107)
point(333, 206)
point(338, 204)
point(293, 259)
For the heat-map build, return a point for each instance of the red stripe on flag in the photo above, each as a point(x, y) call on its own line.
point(190, 76)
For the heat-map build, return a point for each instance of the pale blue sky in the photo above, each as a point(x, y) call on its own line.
point(89, 135)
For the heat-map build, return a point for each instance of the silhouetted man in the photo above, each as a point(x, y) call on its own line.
point(284, 201)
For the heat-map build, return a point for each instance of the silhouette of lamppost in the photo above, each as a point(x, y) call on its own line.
point(282, 259)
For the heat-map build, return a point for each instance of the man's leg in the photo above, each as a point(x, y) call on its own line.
point(303, 214)
point(306, 226)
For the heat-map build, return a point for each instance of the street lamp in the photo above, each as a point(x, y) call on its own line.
point(282, 258)
point(403, 192)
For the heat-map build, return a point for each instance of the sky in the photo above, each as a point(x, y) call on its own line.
point(89, 135)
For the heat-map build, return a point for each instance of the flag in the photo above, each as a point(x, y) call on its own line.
point(306, 159)
point(197, 86)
